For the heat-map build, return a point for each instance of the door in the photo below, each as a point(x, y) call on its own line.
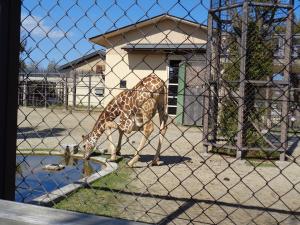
point(193, 93)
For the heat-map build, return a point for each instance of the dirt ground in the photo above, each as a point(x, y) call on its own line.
point(190, 186)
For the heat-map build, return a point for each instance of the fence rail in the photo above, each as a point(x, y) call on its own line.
point(46, 89)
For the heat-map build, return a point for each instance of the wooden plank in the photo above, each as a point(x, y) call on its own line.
point(23, 214)
point(4, 221)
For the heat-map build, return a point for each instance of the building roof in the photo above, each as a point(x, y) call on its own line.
point(166, 47)
point(102, 38)
point(99, 53)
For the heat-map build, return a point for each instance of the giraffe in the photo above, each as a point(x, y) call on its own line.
point(136, 108)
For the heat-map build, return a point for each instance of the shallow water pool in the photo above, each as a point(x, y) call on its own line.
point(33, 181)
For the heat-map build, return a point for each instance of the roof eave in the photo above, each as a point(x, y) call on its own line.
point(103, 39)
point(83, 59)
point(165, 50)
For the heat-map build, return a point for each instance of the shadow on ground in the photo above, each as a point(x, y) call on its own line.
point(188, 203)
point(28, 132)
point(292, 142)
point(165, 160)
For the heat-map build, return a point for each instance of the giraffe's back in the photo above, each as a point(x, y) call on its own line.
point(149, 87)
point(151, 83)
point(144, 99)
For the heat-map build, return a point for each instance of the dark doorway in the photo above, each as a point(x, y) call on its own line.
point(173, 86)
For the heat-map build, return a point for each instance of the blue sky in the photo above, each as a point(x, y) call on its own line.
point(59, 29)
point(69, 23)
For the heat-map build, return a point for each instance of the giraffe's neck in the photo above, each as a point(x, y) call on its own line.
point(109, 113)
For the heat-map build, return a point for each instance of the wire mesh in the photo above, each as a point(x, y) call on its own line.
point(224, 79)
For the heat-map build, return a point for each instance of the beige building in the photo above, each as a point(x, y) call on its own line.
point(157, 45)
point(85, 78)
point(171, 47)
point(279, 55)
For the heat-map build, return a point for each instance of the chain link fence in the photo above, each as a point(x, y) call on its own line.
point(180, 112)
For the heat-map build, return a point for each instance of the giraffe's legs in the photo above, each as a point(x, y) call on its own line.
point(163, 117)
point(162, 131)
point(113, 149)
point(118, 149)
point(111, 146)
point(147, 130)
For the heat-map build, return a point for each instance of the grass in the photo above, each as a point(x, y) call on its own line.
point(253, 158)
point(249, 154)
point(101, 197)
point(260, 163)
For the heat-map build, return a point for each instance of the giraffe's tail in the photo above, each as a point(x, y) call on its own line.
point(163, 104)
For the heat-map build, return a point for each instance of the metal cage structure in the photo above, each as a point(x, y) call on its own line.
point(234, 20)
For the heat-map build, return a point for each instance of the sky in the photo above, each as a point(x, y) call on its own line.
point(58, 30)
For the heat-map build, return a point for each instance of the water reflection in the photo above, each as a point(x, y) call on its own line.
point(33, 181)
point(87, 169)
point(68, 160)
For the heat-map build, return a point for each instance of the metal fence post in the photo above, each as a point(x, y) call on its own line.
point(242, 86)
point(207, 88)
point(268, 104)
point(90, 91)
point(216, 49)
point(74, 89)
point(25, 92)
point(45, 91)
point(66, 94)
point(286, 89)
point(9, 60)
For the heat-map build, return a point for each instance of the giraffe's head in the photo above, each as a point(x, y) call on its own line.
point(88, 145)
